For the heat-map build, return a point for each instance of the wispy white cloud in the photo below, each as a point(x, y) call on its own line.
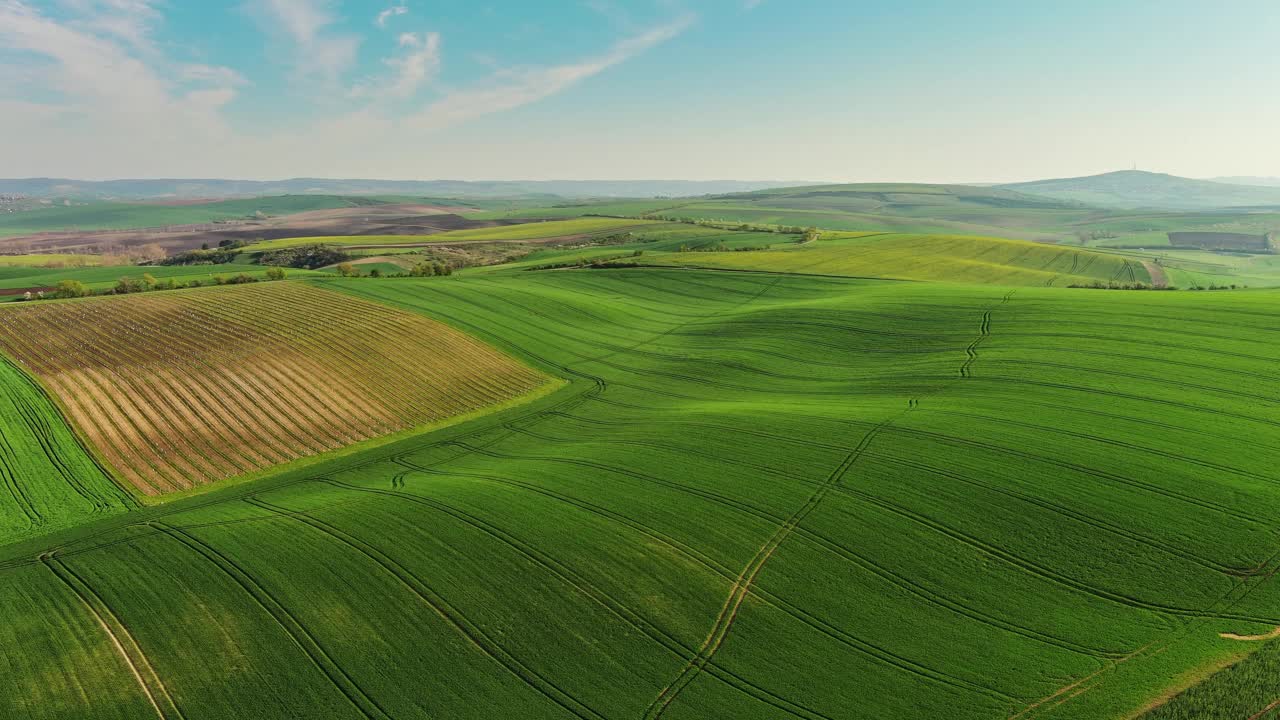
point(213, 75)
point(132, 21)
point(417, 64)
point(108, 78)
point(389, 13)
point(319, 50)
point(511, 88)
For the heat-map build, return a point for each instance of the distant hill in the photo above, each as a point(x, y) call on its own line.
point(1138, 189)
point(1249, 180)
point(207, 188)
point(875, 195)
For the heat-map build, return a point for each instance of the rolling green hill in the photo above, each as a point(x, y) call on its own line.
point(992, 261)
point(759, 495)
point(936, 209)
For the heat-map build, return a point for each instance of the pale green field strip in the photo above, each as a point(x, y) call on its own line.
point(762, 495)
point(580, 227)
point(961, 259)
point(49, 260)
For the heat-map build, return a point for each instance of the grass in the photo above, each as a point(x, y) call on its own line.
point(930, 209)
point(581, 227)
point(51, 260)
point(929, 257)
point(1248, 689)
point(123, 216)
point(49, 480)
point(182, 388)
point(97, 278)
point(759, 494)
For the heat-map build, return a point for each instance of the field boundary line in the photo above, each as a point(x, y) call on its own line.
point(464, 627)
point(301, 637)
point(742, 586)
point(84, 592)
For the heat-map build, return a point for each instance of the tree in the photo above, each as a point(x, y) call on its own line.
point(127, 285)
point(309, 257)
point(275, 273)
point(422, 269)
point(346, 269)
point(71, 289)
point(441, 268)
point(375, 273)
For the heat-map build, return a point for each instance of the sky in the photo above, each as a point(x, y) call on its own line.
point(804, 90)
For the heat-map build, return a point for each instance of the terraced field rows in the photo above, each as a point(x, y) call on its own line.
point(180, 389)
point(761, 496)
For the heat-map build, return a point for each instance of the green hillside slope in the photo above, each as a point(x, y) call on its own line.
point(47, 479)
point(930, 257)
point(760, 496)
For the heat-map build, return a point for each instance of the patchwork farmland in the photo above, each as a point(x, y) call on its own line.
point(797, 428)
point(758, 495)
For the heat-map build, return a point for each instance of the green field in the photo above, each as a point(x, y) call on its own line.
point(581, 227)
point(760, 495)
point(50, 481)
point(123, 216)
point(929, 257)
point(51, 260)
point(99, 278)
point(929, 209)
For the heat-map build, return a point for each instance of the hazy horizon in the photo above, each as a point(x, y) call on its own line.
point(645, 89)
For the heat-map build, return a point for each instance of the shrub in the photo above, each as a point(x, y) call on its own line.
point(71, 289)
point(127, 285)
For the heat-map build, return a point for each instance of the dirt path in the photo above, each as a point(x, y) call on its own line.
point(1252, 638)
point(1158, 276)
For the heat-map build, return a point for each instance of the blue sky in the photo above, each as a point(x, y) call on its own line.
point(917, 90)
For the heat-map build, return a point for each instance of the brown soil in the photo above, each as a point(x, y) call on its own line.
point(397, 219)
point(1159, 278)
point(180, 390)
point(1252, 638)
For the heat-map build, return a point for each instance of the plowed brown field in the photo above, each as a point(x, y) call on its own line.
point(180, 389)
